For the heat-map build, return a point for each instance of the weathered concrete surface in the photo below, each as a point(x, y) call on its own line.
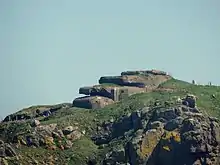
point(117, 88)
point(129, 83)
point(145, 72)
point(108, 91)
point(92, 102)
point(85, 90)
point(135, 80)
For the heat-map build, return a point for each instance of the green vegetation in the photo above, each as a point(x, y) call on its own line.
point(83, 118)
point(204, 94)
point(208, 102)
point(208, 96)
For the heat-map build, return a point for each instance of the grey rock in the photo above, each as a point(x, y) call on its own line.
point(173, 124)
point(190, 101)
point(168, 114)
point(35, 123)
point(46, 129)
point(6, 150)
point(2, 151)
point(156, 124)
point(9, 151)
point(68, 144)
point(136, 119)
point(68, 130)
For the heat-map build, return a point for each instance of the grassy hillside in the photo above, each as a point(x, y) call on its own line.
point(208, 102)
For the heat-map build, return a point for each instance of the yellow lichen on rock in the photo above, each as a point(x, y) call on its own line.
point(166, 148)
point(171, 135)
point(149, 142)
point(4, 161)
point(169, 138)
point(21, 141)
point(177, 137)
point(49, 141)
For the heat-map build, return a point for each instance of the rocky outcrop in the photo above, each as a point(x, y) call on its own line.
point(159, 136)
point(16, 117)
point(6, 150)
point(158, 128)
point(190, 100)
point(49, 137)
point(35, 111)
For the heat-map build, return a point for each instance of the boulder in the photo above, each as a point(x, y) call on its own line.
point(190, 101)
point(2, 150)
point(74, 135)
point(173, 124)
point(46, 129)
point(156, 125)
point(9, 150)
point(69, 129)
point(117, 156)
point(35, 123)
point(60, 133)
point(68, 144)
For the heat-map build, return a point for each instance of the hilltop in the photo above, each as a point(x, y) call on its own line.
point(139, 117)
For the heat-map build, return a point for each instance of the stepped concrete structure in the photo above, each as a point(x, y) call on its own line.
point(116, 88)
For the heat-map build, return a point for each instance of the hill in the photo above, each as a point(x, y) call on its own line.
point(172, 122)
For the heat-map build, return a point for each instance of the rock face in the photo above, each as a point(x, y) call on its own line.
point(6, 153)
point(129, 83)
point(46, 136)
point(6, 150)
point(190, 100)
point(177, 135)
point(35, 111)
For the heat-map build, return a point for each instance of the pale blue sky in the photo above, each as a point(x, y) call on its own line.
point(50, 48)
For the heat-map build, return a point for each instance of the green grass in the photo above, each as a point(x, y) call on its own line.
point(82, 149)
point(12, 129)
point(88, 119)
point(203, 92)
point(84, 118)
point(78, 154)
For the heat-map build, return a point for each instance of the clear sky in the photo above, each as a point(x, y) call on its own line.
point(50, 48)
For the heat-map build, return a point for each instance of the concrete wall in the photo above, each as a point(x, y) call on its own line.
point(91, 102)
point(145, 72)
point(130, 82)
